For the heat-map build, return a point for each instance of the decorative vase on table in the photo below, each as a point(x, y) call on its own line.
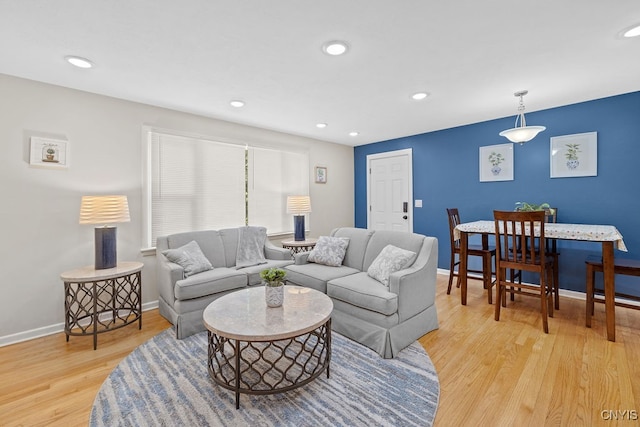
point(274, 293)
point(273, 279)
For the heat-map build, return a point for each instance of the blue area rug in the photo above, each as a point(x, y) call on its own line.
point(165, 382)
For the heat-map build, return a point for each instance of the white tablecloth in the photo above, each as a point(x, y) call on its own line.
point(586, 232)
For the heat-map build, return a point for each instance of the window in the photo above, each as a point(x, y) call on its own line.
point(194, 183)
point(274, 175)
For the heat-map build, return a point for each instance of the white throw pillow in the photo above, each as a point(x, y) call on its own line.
point(189, 257)
point(388, 261)
point(329, 251)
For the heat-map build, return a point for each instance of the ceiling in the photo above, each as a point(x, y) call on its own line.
point(198, 55)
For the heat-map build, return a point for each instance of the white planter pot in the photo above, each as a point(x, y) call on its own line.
point(274, 295)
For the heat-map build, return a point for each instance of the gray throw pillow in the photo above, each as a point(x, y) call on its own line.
point(388, 261)
point(189, 257)
point(329, 251)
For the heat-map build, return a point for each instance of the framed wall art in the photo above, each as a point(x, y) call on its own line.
point(49, 152)
point(321, 175)
point(496, 163)
point(574, 155)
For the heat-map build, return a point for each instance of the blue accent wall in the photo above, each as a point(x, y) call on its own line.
point(446, 175)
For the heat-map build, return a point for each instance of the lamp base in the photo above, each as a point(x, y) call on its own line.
point(105, 247)
point(298, 228)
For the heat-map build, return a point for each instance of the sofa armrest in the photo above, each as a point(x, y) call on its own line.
point(271, 251)
point(301, 258)
point(416, 285)
point(168, 273)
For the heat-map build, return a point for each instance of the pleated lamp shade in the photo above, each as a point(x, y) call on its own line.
point(298, 205)
point(104, 209)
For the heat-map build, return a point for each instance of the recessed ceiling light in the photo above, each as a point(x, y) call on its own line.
point(420, 95)
point(632, 32)
point(321, 125)
point(79, 62)
point(354, 133)
point(237, 103)
point(335, 47)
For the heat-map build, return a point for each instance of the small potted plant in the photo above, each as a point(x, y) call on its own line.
point(527, 207)
point(49, 153)
point(572, 155)
point(495, 159)
point(273, 279)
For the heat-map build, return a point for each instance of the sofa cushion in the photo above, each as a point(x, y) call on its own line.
point(358, 241)
point(363, 291)
point(189, 257)
point(329, 251)
point(209, 241)
point(209, 282)
point(408, 241)
point(316, 276)
point(390, 260)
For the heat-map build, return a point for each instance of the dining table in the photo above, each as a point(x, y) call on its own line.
point(608, 235)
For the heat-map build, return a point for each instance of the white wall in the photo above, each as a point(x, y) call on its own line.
point(40, 234)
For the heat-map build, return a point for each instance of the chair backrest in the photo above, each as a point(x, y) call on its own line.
point(551, 216)
point(454, 220)
point(514, 233)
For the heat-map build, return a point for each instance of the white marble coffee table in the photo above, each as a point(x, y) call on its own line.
point(280, 348)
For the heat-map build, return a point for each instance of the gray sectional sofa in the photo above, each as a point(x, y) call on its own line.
point(384, 318)
point(182, 300)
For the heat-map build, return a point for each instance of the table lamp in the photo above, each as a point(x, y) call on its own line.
point(104, 210)
point(298, 206)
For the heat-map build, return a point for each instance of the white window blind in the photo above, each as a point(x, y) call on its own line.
point(198, 184)
point(274, 175)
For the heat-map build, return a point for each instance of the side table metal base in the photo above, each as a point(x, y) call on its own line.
point(95, 304)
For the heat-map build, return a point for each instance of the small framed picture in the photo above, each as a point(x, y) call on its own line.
point(496, 163)
point(574, 155)
point(49, 152)
point(321, 175)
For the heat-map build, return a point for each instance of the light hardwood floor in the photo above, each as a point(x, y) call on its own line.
point(506, 373)
point(510, 373)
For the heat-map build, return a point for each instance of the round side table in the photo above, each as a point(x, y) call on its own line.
point(296, 246)
point(97, 301)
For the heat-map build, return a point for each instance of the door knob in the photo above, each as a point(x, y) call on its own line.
point(405, 217)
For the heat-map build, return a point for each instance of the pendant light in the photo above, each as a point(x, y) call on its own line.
point(522, 133)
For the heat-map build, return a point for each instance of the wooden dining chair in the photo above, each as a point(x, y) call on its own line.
point(486, 253)
point(550, 216)
point(513, 230)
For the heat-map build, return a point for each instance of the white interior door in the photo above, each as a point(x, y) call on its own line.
point(390, 191)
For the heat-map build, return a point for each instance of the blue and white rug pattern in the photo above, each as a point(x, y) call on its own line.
point(165, 382)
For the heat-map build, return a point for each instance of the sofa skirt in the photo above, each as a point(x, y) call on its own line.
point(386, 342)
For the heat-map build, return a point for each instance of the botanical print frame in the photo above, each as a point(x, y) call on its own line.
point(496, 163)
point(321, 175)
point(49, 152)
point(574, 155)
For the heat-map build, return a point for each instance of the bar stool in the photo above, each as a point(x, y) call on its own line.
point(627, 267)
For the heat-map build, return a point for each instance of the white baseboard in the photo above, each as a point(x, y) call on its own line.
point(51, 329)
point(563, 292)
